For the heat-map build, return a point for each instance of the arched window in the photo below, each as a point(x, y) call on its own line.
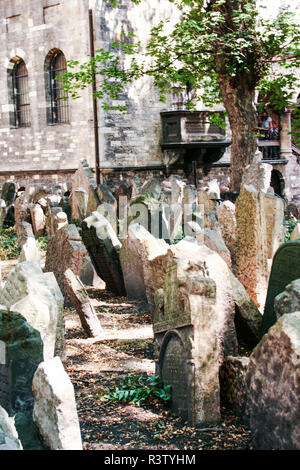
point(19, 96)
point(58, 108)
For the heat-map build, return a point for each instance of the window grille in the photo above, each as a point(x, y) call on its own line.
point(20, 95)
point(59, 108)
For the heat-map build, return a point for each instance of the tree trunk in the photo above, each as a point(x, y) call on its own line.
point(238, 98)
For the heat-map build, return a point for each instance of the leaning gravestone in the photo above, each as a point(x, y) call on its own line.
point(27, 293)
point(55, 412)
point(60, 342)
point(23, 354)
point(186, 346)
point(65, 250)
point(104, 249)
point(285, 269)
point(82, 304)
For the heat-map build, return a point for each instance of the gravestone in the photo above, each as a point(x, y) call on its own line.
point(251, 243)
point(54, 411)
point(186, 345)
point(104, 249)
point(65, 250)
point(26, 292)
point(136, 253)
point(82, 305)
point(273, 387)
point(23, 353)
point(8, 192)
point(285, 269)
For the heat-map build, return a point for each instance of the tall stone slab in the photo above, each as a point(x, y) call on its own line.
point(194, 256)
point(251, 236)
point(273, 387)
point(216, 268)
point(22, 211)
point(285, 269)
point(136, 253)
point(38, 219)
point(186, 346)
point(60, 342)
point(23, 354)
point(27, 293)
point(227, 223)
point(84, 178)
point(104, 249)
point(82, 304)
point(274, 214)
point(65, 250)
point(54, 411)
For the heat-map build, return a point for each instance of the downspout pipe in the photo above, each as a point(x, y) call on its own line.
point(95, 107)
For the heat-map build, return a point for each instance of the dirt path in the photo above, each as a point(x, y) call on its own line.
point(96, 367)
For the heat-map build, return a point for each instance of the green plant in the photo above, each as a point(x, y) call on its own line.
point(42, 243)
point(289, 227)
point(9, 248)
point(139, 389)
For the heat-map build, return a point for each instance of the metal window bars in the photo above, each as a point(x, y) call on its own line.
point(58, 96)
point(21, 95)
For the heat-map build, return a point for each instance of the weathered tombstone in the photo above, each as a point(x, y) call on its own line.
point(80, 198)
point(84, 178)
point(65, 250)
point(27, 293)
point(247, 317)
point(145, 210)
point(3, 211)
point(258, 174)
point(295, 235)
point(22, 211)
point(185, 332)
point(136, 254)
point(88, 275)
point(219, 271)
point(285, 269)
point(23, 354)
point(60, 342)
point(251, 236)
point(104, 249)
point(274, 215)
point(8, 192)
point(38, 219)
point(233, 384)
point(54, 411)
point(82, 305)
point(215, 242)
point(227, 223)
point(26, 240)
point(152, 186)
point(289, 300)
point(273, 388)
point(9, 439)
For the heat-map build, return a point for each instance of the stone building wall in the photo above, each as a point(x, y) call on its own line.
point(29, 30)
point(133, 138)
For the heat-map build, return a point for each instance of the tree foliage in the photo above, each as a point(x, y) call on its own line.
point(214, 42)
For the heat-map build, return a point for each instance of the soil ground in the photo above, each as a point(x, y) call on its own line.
point(97, 366)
